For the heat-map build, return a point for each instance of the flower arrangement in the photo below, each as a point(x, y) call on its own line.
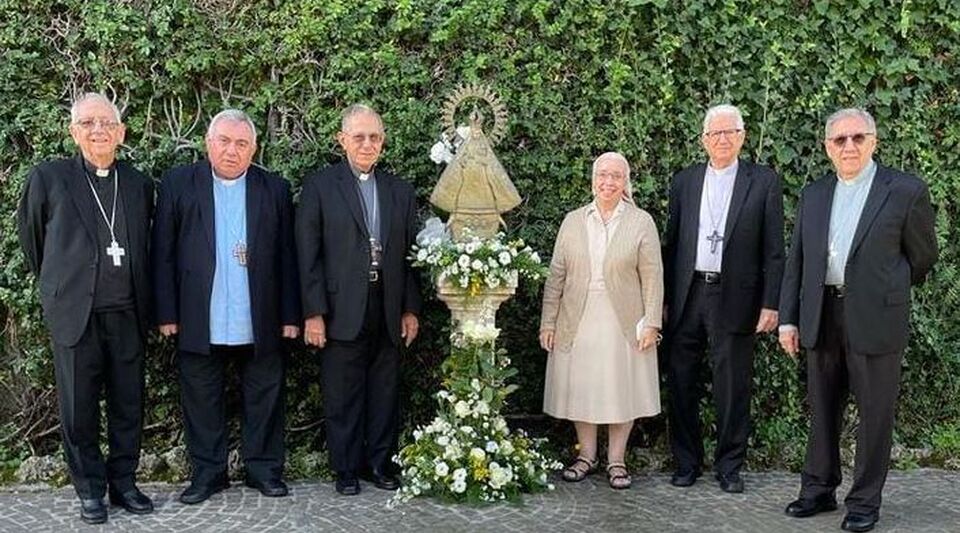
point(467, 453)
point(474, 263)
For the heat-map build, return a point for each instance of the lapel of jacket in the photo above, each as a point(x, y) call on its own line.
point(692, 214)
point(82, 198)
point(203, 187)
point(385, 203)
point(879, 190)
point(255, 197)
point(820, 206)
point(131, 211)
point(741, 186)
point(348, 189)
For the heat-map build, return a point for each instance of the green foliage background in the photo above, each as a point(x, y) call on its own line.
point(580, 77)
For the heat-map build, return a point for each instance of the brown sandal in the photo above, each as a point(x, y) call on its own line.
point(574, 472)
point(618, 476)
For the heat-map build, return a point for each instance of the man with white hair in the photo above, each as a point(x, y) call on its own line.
point(225, 274)
point(361, 298)
point(84, 225)
point(723, 263)
point(864, 233)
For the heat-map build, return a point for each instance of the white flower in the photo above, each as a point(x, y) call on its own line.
point(507, 447)
point(478, 454)
point(443, 440)
point(464, 282)
point(492, 446)
point(483, 408)
point(464, 261)
point(439, 153)
point(441, 469)
point(462, 409)
point(478, 265)
point(535, 257)
point(458, 486)
point(454, 270)
point(460, 474)
point(492, 263)
point(475, 384)
point(467, 430)
point(505, 258)
point(417, 434)
point(471, 247)
point(421, 254)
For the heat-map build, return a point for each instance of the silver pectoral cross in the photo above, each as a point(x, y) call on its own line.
point(715, 239)
point(115, 251)
point(240, 253)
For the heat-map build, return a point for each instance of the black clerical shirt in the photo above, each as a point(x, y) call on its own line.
point(114, 287)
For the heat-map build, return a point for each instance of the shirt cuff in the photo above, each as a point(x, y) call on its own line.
point(786, 327)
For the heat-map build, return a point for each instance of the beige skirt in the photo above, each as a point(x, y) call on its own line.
point(603, 379)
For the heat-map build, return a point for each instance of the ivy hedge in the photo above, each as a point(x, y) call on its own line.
point(579, 77)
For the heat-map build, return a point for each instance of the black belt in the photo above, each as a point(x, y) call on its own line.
point(710, 278)
point(836, 291)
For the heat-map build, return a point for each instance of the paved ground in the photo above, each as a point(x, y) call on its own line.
point(915, 501)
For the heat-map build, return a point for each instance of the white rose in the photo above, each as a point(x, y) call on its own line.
point(464, 261)
point(441, 469)
point(443, 440)
point(458, 486)
point(505, 258)
point(492, 447)
point(460, 473)
point(507, 447)
point(477, 265)
point(462, 409)
point(471, 247)
point(483, 408)
point(478, 454)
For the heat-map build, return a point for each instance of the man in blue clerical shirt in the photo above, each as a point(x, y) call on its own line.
point(226, 279)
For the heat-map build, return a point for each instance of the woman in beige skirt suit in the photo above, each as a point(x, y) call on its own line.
point(602, 304)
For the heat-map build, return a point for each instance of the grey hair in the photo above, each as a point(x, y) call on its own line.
point(233, 115)
point(616, 156)
point(353, 110)
point(92, 97)
point(722, 109)
point(850, 112)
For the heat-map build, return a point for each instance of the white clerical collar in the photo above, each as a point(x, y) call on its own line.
point(362, 176)
point(227, 182)
point(729, 170)
point(868, 170)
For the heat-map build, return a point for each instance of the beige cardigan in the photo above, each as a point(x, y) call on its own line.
point(632, 272)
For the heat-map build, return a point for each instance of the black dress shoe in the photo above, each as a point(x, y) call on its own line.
point(273, 488)
point(93, 511)
point(382, 480)
point(804, 507)
point(197, 493)
point(731, 482)
point(348, 485)
point(858, 522)
point(684, 477)
point(132, 500)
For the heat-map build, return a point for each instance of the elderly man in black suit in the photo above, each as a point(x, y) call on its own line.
point(723, 264)
point(225, 274)
point(360, 297)
point(864, 234)
point(84, 225)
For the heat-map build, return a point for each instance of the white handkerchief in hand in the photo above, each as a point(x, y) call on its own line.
point(642, 323)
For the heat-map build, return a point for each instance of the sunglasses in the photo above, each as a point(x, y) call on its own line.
point(858, 139)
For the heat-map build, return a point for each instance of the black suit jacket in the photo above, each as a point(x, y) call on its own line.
point(334, 250)
point(57, 222)
point(184, 256)
point(894, 246)
point(752, 262)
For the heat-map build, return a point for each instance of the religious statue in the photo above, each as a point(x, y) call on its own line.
point(475, 188)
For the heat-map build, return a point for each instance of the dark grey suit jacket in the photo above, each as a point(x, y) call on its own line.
point(752, 246)
point(334, 250)
point(57, 222)
point(894, 246)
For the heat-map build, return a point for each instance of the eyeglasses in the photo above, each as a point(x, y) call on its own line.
point(715, 135)
point(359, 138)
point(611, 176)
point(841, 140)
point(90, 124)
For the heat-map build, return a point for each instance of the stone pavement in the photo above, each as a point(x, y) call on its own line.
point(914, 501)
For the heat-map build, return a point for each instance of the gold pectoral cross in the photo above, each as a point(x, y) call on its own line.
point(240, 253)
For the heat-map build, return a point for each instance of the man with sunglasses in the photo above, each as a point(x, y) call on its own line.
point(863, 235)
point(361, 298)
point(722, 263)
point(84, 225)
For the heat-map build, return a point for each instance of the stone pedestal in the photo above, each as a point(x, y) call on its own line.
point(480, 308)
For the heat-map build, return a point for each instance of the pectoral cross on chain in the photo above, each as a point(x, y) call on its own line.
point(240, 253)
point(715, 239)
point(115, 251)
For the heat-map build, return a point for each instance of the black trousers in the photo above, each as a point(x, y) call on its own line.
point(202, 384)
point(833, 370)
point(109, 355)
point(360, 381)
point(731, 363)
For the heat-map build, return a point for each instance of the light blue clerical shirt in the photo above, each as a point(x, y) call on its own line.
point(230, 319)
point(849, 197)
